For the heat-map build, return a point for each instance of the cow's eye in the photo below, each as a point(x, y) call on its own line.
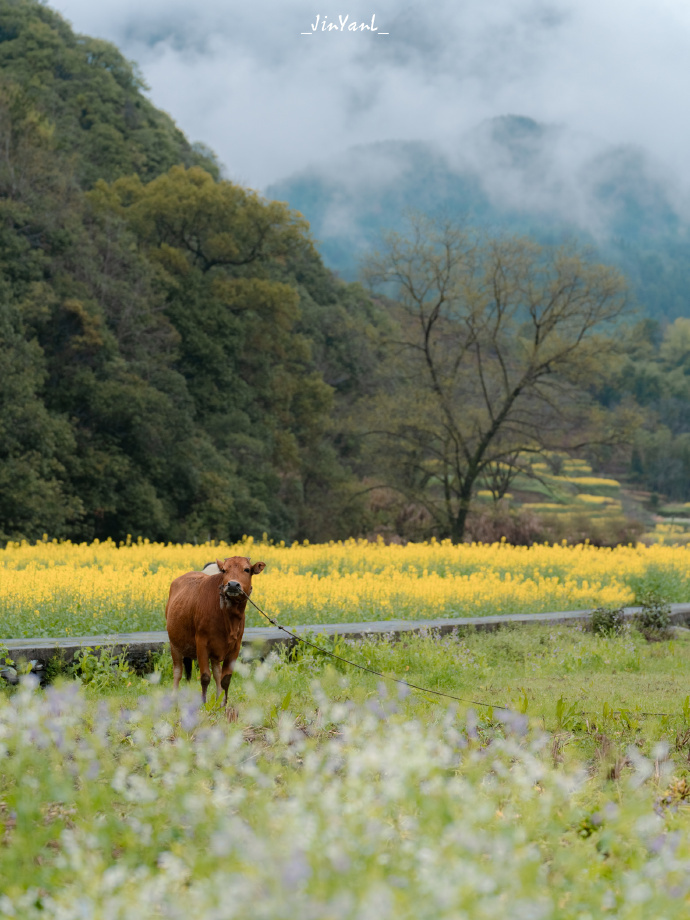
point(247, 570)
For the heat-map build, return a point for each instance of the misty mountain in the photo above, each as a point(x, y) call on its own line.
point(510, 174)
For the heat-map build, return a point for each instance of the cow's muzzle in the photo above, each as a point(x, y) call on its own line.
point(231, 589)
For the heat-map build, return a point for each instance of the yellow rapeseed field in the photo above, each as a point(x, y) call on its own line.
point(57, 589)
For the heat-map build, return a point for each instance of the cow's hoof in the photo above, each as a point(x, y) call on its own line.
point(231, 714)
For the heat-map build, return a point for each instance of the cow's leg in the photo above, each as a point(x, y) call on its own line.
point(187, 662)
point(225, 684)
point(177, 666)
point(202, 658)
point(215, 667)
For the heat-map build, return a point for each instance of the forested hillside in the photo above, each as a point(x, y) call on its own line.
point(170, 344)
point(177, 362)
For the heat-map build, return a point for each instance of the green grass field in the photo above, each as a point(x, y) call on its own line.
point(336, 794)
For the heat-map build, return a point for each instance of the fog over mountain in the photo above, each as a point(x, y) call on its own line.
point(510, 163)
point(509, 174)
point(541, 115)
point(506, 166)
point(243, 79)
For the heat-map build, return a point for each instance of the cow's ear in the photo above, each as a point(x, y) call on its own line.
point(220, 565)
point(258, 567)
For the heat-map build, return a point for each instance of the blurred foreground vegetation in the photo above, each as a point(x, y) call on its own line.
point(335, 795)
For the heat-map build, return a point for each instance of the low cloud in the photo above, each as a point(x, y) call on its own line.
point(269, 101)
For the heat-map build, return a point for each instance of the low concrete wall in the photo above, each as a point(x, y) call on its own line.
point(139, 645)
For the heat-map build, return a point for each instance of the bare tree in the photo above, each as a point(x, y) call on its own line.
point(496, 341)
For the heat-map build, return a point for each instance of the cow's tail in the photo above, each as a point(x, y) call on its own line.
point(187, 662)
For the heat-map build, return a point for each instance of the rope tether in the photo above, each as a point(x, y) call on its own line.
point(397, 680)
point(405, 683)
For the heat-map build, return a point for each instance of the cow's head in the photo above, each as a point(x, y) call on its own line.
point(237, 572)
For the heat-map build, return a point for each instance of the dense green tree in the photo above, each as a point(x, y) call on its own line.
point(655, 373)
point(223, 258)
point(92, 96)
point(84, 325)
point(168, 333)
point(35, 445)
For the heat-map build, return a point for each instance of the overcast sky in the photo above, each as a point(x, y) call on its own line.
point(269, 100)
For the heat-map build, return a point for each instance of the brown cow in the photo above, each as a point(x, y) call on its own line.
point(205, 619)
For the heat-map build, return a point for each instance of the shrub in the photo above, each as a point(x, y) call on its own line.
point(517, 526)
point(607, 621)
point(654, 619)
point(581, 526)
point(56, 666)
point(104, 671)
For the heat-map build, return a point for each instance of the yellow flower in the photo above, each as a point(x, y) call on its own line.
point(126, 587)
